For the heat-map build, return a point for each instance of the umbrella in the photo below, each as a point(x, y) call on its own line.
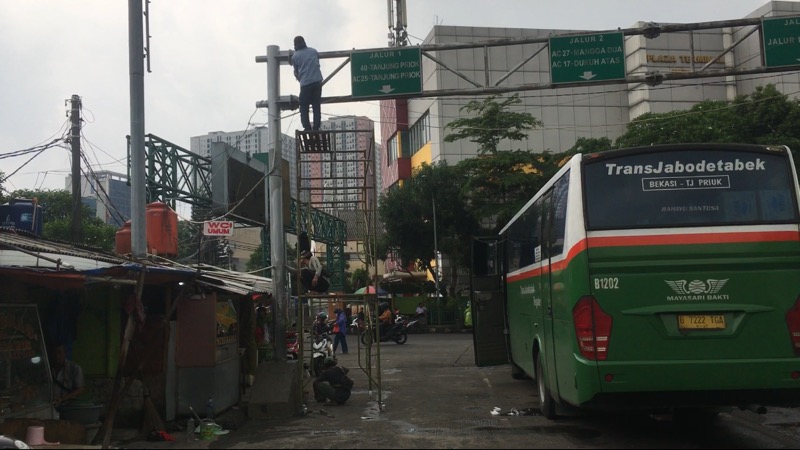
point(371, 290)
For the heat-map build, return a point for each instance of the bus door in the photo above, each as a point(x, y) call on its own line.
point(545, 230)
point(487, 302)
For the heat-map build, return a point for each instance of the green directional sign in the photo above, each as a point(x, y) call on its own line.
point(587, 57)
point(781, 41)
point(386, 72)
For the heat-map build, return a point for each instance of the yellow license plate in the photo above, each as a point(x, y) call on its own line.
point(701, 321)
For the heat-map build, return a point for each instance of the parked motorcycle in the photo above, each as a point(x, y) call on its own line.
point(357, 325)
point(292, 344)
point(397, 332)
point(322, 348)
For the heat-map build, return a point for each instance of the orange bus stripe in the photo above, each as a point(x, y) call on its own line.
point(674, 239)
point(697, 238)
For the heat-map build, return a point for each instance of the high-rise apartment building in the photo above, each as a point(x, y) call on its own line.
point(339, 171)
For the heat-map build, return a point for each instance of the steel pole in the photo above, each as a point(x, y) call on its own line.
point(136, 68)
point(280, 299)
point(436, 257)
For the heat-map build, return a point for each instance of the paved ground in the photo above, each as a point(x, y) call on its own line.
point(433, 396)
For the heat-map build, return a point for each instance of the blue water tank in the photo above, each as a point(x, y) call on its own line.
point(22, 214)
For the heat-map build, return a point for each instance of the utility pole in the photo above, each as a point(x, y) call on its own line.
point(435, 254)
point(75, 140)
point(136, 74)
point(274, 202)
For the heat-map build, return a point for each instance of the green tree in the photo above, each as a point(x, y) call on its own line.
point(358, 279)
point(407, 214)
point(57, 219)
point(764, 117)
point(590, 145)
point(498, 182)
point(708, 121)
point(493, 122)
point(498, 185)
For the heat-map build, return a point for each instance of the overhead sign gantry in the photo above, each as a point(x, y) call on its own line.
point(781, 41)
point(387, 72)
point(587, 57)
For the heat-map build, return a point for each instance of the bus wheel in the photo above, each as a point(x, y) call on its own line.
point(546, 403)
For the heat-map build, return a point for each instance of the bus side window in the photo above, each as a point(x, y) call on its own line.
point(559, 218)
point(534, 228)
point(545, 223)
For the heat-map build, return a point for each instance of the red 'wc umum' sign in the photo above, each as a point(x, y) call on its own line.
point(218, 228)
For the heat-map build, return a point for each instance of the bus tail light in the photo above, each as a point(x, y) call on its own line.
point(592, 328)
point(793, 323)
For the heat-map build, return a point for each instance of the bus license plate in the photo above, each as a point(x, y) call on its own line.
point(701, 322)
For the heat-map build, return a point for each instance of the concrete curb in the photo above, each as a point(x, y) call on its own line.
point(441, 329)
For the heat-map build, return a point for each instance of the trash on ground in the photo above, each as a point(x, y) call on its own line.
point(496, 411)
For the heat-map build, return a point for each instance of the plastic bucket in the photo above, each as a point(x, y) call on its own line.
point(207, 428)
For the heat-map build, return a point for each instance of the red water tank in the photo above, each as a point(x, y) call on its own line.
point(162, 230)
point(122, 239)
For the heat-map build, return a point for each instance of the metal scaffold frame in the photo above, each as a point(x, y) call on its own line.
point(339, 180)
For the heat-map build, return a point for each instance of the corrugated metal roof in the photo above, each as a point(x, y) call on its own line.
point(11, 239)
point(41, 257)
point(238, 282)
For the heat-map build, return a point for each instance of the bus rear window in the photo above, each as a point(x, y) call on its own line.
point(688, 188)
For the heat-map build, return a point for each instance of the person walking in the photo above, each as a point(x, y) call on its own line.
point(341, 334)
point(306, 69)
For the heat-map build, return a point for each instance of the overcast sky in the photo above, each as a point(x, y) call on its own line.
point(204, 75)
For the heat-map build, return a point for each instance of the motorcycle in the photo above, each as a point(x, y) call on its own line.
point(292, 344)
point(322, 348)
point(407, 324)
point(357, 325)
point(397, 333)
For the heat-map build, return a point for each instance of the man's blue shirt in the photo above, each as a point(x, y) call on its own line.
point(306, 66)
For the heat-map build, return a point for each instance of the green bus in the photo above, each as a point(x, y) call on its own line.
point(661, 278)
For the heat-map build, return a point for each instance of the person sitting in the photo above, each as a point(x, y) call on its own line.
point(311, 274)
point(320, 325)
point(421, 313)
point(333, 384)
point(68, 381)
point(385, 319)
